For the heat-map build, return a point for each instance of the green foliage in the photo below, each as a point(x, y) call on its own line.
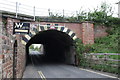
point(56, 17)
point(34, 49)
point(31, 47)
point(105, 67)
point(71, 19)
point(117, 57)
point(80, 49)
point(101, 15)
point(82, 15)
point(108, 44)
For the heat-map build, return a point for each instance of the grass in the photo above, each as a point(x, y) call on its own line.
point(117, 57)
point(105, 66)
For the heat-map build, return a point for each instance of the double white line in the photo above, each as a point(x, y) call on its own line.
point(41, 75)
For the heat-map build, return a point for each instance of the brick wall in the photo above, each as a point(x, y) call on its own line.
point(100, 31)
point(84, 31)
point(6, 53)
point(10, 25)
point(1, 55)
point(21, 61)
point(7, 50)
point(75, 27)
point(87, 33)
point(20, 64)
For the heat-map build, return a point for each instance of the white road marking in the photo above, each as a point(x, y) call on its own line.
point(41, 75)
point(98, 73)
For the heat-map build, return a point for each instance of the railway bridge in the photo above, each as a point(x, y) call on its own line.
point(57, 38)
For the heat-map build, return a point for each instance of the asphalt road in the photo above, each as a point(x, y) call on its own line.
point(45, 70)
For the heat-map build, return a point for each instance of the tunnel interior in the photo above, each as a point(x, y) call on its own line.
point(58, 46)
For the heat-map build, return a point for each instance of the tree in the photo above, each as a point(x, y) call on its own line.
point(101, 15)
point(31, 47)
point(37, 49)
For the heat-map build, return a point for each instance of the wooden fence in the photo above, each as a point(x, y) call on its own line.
point(103, 61)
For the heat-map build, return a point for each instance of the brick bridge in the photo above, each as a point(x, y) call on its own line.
point(14, 48)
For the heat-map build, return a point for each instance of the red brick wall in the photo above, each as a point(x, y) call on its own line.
point(1, 55)
point(21, 61)
point(100, 31)
point(87, 33)
point(6, 55)
point(75, 27)
point(10, 25)
point(84, 31)
point(20, 49)
point(6, 52)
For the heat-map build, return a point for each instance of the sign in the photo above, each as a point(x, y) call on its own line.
point(21, 28)
point(52, 27)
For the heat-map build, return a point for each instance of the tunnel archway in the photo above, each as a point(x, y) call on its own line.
point(58, 46)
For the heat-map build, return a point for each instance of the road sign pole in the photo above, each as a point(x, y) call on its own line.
point(16, 9)
point(34, 13)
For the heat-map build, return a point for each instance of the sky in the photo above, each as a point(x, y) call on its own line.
point(67, 5)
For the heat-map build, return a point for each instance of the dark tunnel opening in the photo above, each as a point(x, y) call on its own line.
point(58, 46)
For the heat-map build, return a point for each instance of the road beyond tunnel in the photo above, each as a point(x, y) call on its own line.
point(57, 46)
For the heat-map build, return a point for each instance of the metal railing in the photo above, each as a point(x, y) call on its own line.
point(19, 8)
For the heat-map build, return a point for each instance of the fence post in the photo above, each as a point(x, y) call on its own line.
point(77, 15)
point(63, 13)
point(34, 12)
point(49, 12)
point(16, 9)
point(105, 57)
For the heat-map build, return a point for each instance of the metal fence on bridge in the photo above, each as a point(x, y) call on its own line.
point(20, 8)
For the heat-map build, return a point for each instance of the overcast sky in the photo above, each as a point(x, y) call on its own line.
point(65, 4)
point(70, 5)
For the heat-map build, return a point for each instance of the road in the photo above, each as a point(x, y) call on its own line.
point(44, 70)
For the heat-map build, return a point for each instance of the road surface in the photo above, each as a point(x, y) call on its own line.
point(46, 70)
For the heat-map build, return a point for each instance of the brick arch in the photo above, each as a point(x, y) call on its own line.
point(33, 32)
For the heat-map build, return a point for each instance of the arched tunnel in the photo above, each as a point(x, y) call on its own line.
point(58, 46)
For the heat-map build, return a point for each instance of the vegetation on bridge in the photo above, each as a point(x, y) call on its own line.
point(107, 44)
point(102, 62)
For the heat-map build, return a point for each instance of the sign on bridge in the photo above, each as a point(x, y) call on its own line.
point(19, 28)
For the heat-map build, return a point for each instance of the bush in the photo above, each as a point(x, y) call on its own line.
point(80, 49)
point(107, 44)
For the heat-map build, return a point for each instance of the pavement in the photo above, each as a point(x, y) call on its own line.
point(45, 70)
